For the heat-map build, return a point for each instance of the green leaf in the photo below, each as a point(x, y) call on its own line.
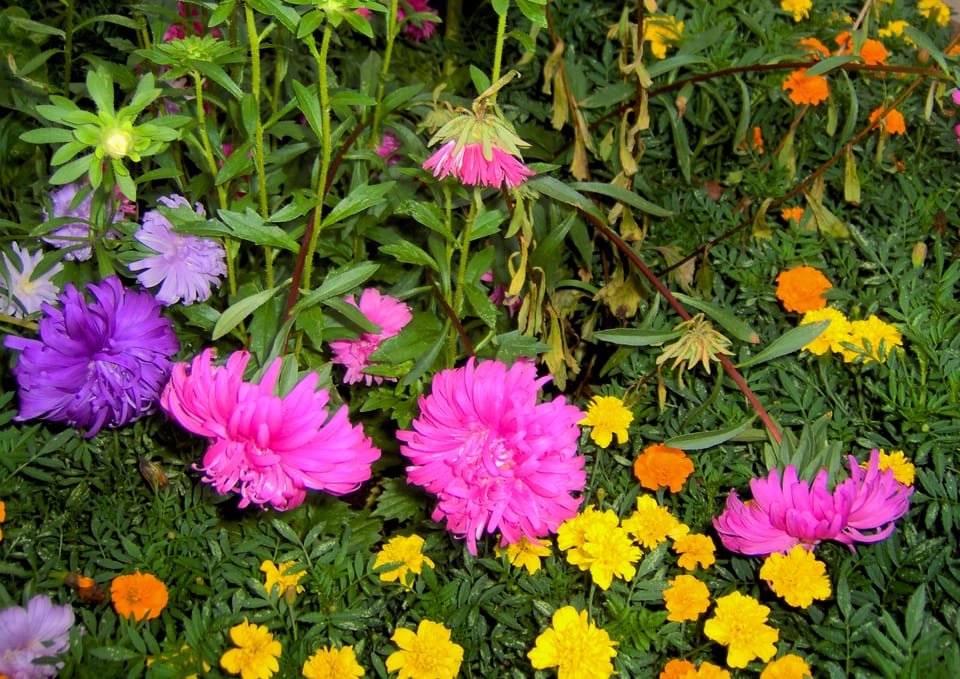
point(916, 614)
point(358, 200)
point(337, 283)
point(216, 73)
point(235, 313)
point(287, 16)
point(72, 170)
point(725, 319)
point(512, 345)
point(309, 104)
point(33, 26)
point(114, 653)
point(400, 96)
point(427, 214)
point(47, 135)
point(481, 304)
point(408, 253)
point(399, 501)
point(100, 88)
point(925, 43)
point(249, 226)
point(830, 63)
point(790, 341)
point(636, 337)
point(558, 190)
point(708, 439)
point(486, 224)
point(622, 195)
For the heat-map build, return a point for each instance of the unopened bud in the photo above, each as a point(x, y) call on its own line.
point(919, 254)
point(117, 142)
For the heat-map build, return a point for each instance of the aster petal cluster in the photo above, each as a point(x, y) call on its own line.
point(40, 630)
point(739, 623)
point(22, 291)
point(475, 165)
point(269, 449)
point(76, 201)
point(387, 312)
point(575, 646)
point(184, 266)
point(418, 30)
point(99, 363)
point(789, 512)
point(495, 458)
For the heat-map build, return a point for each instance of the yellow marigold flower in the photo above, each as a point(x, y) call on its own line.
point(406, 553)
point(659, 465)
point(806, 89)
point(798, 577)
point(575, 646)
point(708, 670)
point(795, 213)
point(524, 554)
point(693, 549)
point(895, 29)
point(427, 653)
point(789, 666)
point(903, 469)
point(610, 551)
point(277, 575)
point(142, 595)
point(333, 663)
point(801, 289)
point(687, 598)
point(678, 669)
point(876, 332)
point(256, 652)
point(937, 9)
point(651, 524)
point(572, 534)
point(608, 416)
point(739, 623)
point(661, 32)
point(799, 8)
point(833, 336)
point(892, 123)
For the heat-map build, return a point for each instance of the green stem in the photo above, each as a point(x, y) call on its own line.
point(67, 46)
point(498, 51)
point(254, 39)
point(392, 31)
point(462, 272)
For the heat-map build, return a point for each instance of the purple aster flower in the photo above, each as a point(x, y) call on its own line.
point(76, 236)
point(184, 266)
point(41, 630)
point(96, 364)
point(470, 164)
point(383, 310)
point(21, 293)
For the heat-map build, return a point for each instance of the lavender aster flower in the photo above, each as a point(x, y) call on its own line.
point(184, 266)
point(22, 294)
point(96, 364)
point(76, 235)
point(41, 630)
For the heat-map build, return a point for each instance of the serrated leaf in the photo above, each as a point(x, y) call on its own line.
point(398, 501)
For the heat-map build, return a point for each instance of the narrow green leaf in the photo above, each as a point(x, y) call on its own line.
point(33, 26)
point(400, 96)
point(47, 135)
point(708, 439)
point(916, 614)
point(358, 200)
point(636, 337)
point(622, 195)
point(337, 283)
point(249, 226)
point(216, 73)
point(235, 313)
point(830, 63)
point(725, 319)
point(309, 104)
point(558, 190)
point(790, 341)
point(408, 253)
point(427, 214)
point(72, 170)
point(486, 224)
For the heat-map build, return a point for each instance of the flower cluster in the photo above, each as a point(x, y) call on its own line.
point(865, 340)
point(268, 448)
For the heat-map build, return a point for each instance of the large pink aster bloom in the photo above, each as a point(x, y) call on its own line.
point(383, 310)
point(792, 512)
point(269, 449)
point(469, 164)
point(496, 459)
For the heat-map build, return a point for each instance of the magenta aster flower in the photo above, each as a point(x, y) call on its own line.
point(386, 149)
point(794, 512)
point(184, 266)
point(496, 459)
point(267, 448)
point(41, 630)
point(96, 364)
point(415, 29)
point(21, 292)
point(390, 314)
point(470, 165)
point(75, 236)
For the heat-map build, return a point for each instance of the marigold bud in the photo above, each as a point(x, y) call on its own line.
point(919, 254)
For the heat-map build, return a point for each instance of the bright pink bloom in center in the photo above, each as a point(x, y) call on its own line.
point(267, 448)
point(496, 459)
point(471, 167)
point(383, 310)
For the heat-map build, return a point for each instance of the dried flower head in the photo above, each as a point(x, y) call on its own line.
point(698, 343)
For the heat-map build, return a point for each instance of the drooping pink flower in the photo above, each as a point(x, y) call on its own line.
point(267, 448)
point(793, 512)
point(386, 149)
point(415, 29)
point(469, 164)
point(496, 459)
point(354, 354)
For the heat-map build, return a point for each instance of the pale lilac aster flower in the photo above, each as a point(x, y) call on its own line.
point(22, 294)
point(98, 363)
point(75, 236)
point(496, 459)
point(269, 449)
point(184, 266)
point(418, 30)
point(386, 149)
point(41, 630)
point(472, 168)
point(383, 310)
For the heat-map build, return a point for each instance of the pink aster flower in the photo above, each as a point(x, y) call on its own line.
point(267, 448)
point(386, 149)
point(496, 459)
point(876, 499)
point(469, 164)
point(354, 354)
point(415, 29)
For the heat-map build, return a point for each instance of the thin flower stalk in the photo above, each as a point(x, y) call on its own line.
point(258, 154)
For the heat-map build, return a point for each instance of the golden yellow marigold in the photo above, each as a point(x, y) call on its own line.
point(651, 524)
point(256, 652)
point(661, 32)
point(405, 553)
point(789, 666)
point(275, 575)
point(426, 653)
point(610, 552)
point(799, 8)
point(525, 554)
point(739, 623)
point(903, 469)
point(876, 333)
point(832, 337)
point(695, 548)
point(798, 577)
point(608, 417)
point(687, 598)
point(575, 646)
point(333, 663)
point(940, 11)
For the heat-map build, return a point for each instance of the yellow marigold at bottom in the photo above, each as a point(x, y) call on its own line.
point(789, 666)
point(739, 623)
point(427, 653)
point(833, 336)
point(575, 646)
point(677, 669)
point(524, 554)
point(333, 663)
point(694, 549)
point(806, 89)
point(798, 577)
point(687, 598)
point(256, 652)
point(142, 595)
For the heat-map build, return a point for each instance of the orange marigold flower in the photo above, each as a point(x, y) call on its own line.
point(892, 123)
point(871, 51)
point(801, 289)
point(141, 595)
point(806, 89)
point(676, 669)
point(815, 48)
point(695, 548)
point(660, 465)
point(795, 213)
